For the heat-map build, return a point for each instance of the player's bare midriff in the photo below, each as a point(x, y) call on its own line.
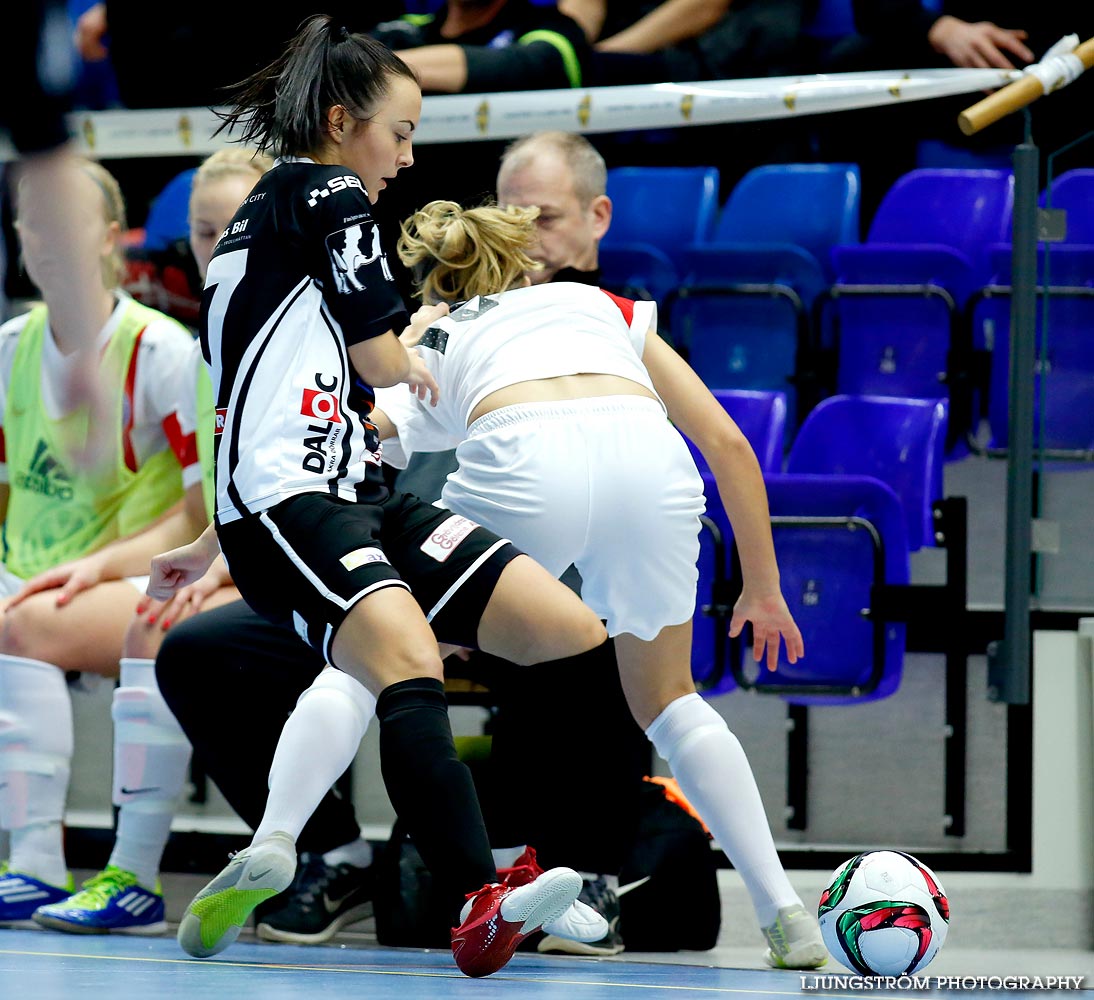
point(562, 387)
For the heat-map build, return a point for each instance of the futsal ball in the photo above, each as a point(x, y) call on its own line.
point(884, 913)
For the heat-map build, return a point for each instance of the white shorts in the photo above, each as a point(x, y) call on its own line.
point(604, 483)
point(10, 584)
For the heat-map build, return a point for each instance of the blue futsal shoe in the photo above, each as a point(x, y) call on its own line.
point(111, 902)
point(21, 895)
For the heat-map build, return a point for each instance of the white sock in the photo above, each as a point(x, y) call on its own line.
point(357, 853)
point(506, 857)
point(151, 763)
point(318, 743)
point(36, 740)
point(713, 772)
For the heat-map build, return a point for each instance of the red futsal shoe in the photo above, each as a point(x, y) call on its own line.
point(500, 915)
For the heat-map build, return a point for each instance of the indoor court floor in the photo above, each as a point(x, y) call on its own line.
point(37, 965)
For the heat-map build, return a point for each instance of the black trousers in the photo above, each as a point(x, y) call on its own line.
point(232, 678)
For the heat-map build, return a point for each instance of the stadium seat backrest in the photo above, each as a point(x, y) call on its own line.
point(836, 537)
point(761, 417)
point(1073, 191)
point(169, 213)
point(899, 441)
point(667, 207)
point(962, 209)
point(811, 205)
point(827, 575)
point(637, 271)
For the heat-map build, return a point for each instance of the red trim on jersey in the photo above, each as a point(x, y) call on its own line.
point(626, 306)
point(185, 446)
point(128, 409)
point(3, 448)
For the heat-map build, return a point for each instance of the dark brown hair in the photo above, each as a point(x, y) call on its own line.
point(282, 108)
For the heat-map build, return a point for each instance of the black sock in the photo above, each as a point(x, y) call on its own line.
point(431, 790)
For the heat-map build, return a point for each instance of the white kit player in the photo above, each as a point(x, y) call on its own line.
point(557, 398)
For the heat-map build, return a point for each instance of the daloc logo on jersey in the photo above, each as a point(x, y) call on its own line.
point(352, 251)
point(320, 405)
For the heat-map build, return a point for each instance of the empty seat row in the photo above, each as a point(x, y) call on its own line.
point(853, 499)
point(775, 290)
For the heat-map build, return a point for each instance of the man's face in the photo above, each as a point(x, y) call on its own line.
point(568, 231)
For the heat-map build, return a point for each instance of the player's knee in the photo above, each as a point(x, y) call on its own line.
point(24, 628)
point(424, 661)
point(339, 685)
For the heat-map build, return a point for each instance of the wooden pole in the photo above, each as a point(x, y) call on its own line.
point(1014, 96)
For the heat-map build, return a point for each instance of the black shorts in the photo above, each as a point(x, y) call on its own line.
point(307, 561)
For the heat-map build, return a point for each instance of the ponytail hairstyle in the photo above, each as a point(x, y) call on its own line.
point(457, 253)
point(282, 109)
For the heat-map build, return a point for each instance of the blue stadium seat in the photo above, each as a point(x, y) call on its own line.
point(961, 209)
point(742, 312)
point(1073, 191)
point(836, 537)
point(638, 271)
point(1064, 366)
point(656, 212)
point(761, 416)
point(854, 503)
point(895, 309)
point(897, 441)
point(169, 214)
point(710, 624)
point(814, 206)
point(738, 341)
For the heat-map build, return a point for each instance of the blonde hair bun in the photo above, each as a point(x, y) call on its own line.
point(468, 251)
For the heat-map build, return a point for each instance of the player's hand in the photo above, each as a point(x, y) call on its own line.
point(68, 579)
point(185, 602)
point(420, 378)
point(420, 322)
point(771, 623)
point(171, 571)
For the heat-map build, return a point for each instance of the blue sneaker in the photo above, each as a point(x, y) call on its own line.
point(109, 903)
point(21, 895)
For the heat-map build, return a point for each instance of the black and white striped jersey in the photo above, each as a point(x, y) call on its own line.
point(296, 277)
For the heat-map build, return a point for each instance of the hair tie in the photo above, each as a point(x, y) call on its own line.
point(343, 33)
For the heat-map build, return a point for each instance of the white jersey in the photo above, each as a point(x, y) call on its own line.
point(159, 388)
point(494, 341)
